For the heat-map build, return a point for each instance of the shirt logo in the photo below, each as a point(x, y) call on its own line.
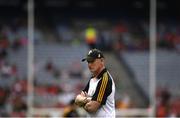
point(90, 52)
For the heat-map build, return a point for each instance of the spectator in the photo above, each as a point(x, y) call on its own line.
point(91, 37)
point(163, 107)
point(6, 70)
point(70, 110)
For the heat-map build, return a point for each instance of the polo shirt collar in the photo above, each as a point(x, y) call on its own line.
point(101, 74)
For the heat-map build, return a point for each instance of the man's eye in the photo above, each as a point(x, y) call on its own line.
point(90, 61)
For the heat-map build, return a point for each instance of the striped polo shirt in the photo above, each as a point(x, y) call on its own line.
point(102, 89)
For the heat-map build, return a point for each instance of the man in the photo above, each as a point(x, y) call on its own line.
point(98, 96)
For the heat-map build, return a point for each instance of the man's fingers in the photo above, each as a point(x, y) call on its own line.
point(86, 94)
point(82, 93)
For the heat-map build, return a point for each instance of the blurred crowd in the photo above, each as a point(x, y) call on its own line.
point(125, 34)
point(166, 105)
point(13, 88)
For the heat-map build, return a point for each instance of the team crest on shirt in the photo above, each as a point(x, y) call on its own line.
point(89, 52)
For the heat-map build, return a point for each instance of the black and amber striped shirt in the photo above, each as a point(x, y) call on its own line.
point(102, 90)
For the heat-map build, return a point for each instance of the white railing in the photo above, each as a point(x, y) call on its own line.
point(54, 112)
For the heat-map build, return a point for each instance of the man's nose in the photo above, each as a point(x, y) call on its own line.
point(89, 64)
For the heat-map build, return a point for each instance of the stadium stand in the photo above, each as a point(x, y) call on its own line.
point(167, 70)
point(60, 44)
point(63, 57)
point(138, 62)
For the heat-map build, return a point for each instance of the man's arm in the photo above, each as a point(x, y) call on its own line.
point(92, 106)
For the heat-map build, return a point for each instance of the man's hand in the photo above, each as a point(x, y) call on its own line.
point(79, 100)
point(82, 99)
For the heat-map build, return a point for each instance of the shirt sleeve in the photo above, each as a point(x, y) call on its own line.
point(103, 90)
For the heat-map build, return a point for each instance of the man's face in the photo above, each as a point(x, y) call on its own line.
point(95, 66)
